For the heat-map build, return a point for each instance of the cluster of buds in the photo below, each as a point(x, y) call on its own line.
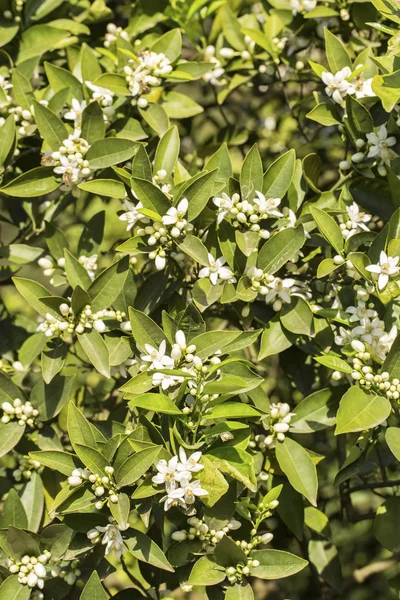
point(50, 267)
point(5, 85)
point(363, 374)
point(198, 529)
point(113, 33)
point(279, 424)
point(25, 467)
point(235, 574)
point(216, 75)
point(103, 486)
point(145, 72)
point(24, 119)
point(248, 214)
point(89, 319)
point(159, 180)
point(69, 572)
point(22, 412)
point(69, 161)
point(275, 290)
point(31, 569)
point(104, 97)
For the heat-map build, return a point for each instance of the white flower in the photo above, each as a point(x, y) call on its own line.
point(157, 357)
point(165, 380)
point(175, 215)
point(132, 214)
point(167, 473)
point(216, 270)
point(225, 204)
point(189, 464)
point(385, 269)
point(189, 491)
point(344, 338)
point(337, 86)
point(89, 263)
point(360, 311)
point(75, 114)
point(268, 206)
point(357, 218)
point(279, 288)
point(379, 145)
point(112, 538)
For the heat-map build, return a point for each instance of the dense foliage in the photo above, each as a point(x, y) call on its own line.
point(200, 283)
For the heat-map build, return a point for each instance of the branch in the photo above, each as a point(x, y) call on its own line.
point(361, 575)
point(373, 485)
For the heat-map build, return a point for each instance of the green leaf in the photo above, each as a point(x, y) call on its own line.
point(10, 434)
point(280, 248)
point(144, 329)
point(13, 512)
point(53, 358)
point(198, 193)
point(92, 459)
point(239, 591)
point(11, 589)
point(392, 362)
point(279, 175)
point(141, 166)
point(93, 127)
point(7, 133)
point(156, 117)
point(212, 480)
point(96, 351)
point(136, 465)
point(336, 53)
point(325, 114)
point(113, 82)
point(167, 151)
point(180, 106)
point(232, 410)
point(110, 151)
point(273, 339)
point(31, 184)
point(387, 524)
point(236, 463)
point(120, 510)
point(93, 589)
point(231, 29)
point(111, 188)
point(108, 285)
point(298, 467)
point(297, 317)
point(251, 174)
point(156, 402)
point(33, 500)
point(334, 362)
point(64, 462)
point(32, 291)
point(359, 117)
point(21, 543)
point(276, 564)
point(20, 254)
point(329, 228)
point(144, 549)
point(206, 572)
point(76, 273)
point(60, 79)
point(80, 431)
point(50, 126)
point(392, 437)
point(49, 398)
point(150, 195)
point(316, 412)
point(38, 39)
point(193, 247)
point(169, 44)
point(360, 410)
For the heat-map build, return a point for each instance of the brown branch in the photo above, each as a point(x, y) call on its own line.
point(359, 576)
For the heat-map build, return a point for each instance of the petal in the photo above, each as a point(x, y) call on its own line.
point(382, 280)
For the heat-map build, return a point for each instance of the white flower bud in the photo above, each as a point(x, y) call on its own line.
point(357, 346)
point(179, 536)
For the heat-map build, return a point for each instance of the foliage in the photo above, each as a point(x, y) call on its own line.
point(199, 376)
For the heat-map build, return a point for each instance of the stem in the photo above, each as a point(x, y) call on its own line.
point(341, 181)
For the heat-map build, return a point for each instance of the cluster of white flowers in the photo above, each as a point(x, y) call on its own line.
point(363, 374)
point(172, 228)
point(104, 97)
point(31, 569)
point(275, 290)
point(368, 330)
point(176, 475)
point(22, 412)
point(356, 221)
point(102, 485)
point(24, 119)
point(5, 85)
point(278, 424)
point(110, 537)
point(69, 161)
point(344, 83)
point(377, 146)
point(25, 467)
point(248, 213)
point(146, 72)
point(235, 574)
point(302, 6)
point(198, 529)
point(113, 33)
